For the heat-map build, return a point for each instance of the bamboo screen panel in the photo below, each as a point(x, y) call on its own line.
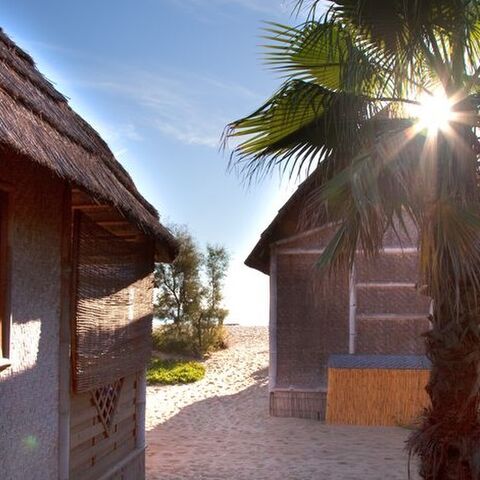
point(111, 334)
point(377, 389)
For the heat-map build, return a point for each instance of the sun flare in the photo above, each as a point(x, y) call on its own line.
point(434, 112)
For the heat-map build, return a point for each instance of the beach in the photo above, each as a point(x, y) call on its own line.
point(219, 428)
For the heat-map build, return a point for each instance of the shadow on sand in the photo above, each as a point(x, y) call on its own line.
point(232, 437)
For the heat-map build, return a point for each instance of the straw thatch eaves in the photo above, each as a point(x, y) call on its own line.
point(37, 122)
point(286, 224)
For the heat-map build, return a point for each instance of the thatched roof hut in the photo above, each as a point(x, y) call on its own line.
point(37, 122)
point(77, 249)
point(373, 310)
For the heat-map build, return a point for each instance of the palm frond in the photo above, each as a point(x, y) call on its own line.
point(326, 54)
point(330, 114)
point(374, 192)
point(297, 128)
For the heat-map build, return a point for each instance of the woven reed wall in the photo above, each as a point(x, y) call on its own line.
point(313, 314)
point(402, 267)
point(391, 317)
point(400, 300)
point(93, 452)
point(114, 306)
point(400, 238)
point(391, 336)
point(312, 321)
point(317, 238)
point(29, 387)
point(375, 396)
point(299, 404)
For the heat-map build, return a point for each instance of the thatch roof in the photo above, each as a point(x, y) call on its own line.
point(36, 122)
point(285, 224)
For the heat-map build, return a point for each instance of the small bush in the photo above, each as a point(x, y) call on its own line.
point(169, 339)
point(187, 341)
point(167, 372)
point(218, 339)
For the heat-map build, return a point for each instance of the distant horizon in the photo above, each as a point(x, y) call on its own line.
point(157, 322)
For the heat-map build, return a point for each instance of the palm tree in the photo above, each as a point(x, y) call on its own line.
point(380, 98)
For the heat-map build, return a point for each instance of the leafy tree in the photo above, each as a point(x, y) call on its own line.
point(180, 288)
point(353, 108)
point(190, 294)
point(216, 265)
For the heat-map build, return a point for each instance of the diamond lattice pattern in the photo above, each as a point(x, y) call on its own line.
point(106, 401)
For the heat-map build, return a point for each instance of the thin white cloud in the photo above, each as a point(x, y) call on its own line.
point(188, 135)
point(121, 131)
point(190, 108)
point(119, 154)
point(231, 87)
point(130, 131)
point(159, 103)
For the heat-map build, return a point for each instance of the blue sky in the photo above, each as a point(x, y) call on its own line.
point(159, 79)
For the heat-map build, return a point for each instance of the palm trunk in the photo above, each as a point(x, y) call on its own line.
point(448, 440)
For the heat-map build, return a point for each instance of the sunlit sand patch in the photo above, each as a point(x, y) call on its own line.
point(219, 428)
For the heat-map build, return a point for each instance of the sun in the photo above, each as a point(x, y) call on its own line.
point(434, 112)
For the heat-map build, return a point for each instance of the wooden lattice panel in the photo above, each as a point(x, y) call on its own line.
point(93, 450)
point(106, 401)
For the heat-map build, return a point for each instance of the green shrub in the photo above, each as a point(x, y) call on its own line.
point(188, 340)
point(169, 339)
point(168, 372)
point(217, 339)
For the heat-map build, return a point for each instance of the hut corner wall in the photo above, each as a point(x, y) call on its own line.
point(29, 388)
point(376, 311)
point(272, 365)
point(304, 327)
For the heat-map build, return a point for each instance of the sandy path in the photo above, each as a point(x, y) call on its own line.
point(219, 429)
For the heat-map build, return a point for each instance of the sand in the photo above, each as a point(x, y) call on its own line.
point(219, 429)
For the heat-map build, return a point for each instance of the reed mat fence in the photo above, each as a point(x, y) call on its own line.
point(112, 327)
point(298, 403)
point(372, 396)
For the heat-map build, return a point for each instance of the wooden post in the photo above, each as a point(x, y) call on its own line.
point(140, 409)
point(64, 347)
point(352, 320)
point(6, 241)
point(272, 372)
point(141, 396)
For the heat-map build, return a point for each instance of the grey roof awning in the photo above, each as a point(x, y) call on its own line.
point(387, 362)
